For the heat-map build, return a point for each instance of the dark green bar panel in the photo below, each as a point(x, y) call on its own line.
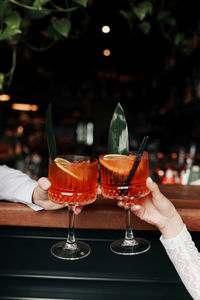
point(29, 271)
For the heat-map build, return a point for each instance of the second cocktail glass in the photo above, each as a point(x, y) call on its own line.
point(114, 170)
point(73, 183)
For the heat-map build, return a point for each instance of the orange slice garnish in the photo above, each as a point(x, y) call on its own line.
point(118, 163)
point(64, 165)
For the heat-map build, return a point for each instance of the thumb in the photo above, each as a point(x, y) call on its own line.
point(153, 187)
point(43, 186)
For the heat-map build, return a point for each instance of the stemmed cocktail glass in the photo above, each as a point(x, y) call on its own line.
point(115, 170)
point(74, 183)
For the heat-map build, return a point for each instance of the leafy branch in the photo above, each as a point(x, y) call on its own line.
point(144, 16)
point(18, 19)
point(38, 7)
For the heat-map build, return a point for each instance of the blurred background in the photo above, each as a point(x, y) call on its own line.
point(86, 56)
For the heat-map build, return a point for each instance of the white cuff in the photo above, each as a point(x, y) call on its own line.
point(29, 198)
point(172, 243)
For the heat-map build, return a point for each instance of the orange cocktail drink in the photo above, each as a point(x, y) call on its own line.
point(73, 180)
point(74, 183)
point(115, 170)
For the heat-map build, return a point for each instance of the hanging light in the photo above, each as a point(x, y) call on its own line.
point(24, 107)
point(4, 97)
point(105, 29)
point(106, 52)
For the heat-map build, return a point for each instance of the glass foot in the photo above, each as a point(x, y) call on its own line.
point(67, 251)
point(130, 247)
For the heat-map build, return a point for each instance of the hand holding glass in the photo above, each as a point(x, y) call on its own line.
point(114, 170)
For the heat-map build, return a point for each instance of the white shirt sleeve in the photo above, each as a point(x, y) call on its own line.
point(186, 260)
point(16, 186)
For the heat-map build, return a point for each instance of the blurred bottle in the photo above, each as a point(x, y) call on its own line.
point(186, 169)
point(168, 177)
point(19, 157)
point(189, 163)
point(194, 175)
point(174, 163)
point(172, 172)
point(33, 162)
point(184, 175)
point(159, 169)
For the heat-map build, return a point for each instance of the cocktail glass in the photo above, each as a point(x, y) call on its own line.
point(74, 183)
point(114, 170)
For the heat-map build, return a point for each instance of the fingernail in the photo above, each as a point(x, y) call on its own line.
point(135, 207)
point(149, 180)
point(46, 185)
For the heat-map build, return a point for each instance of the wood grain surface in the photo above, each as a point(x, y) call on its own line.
point(104, 213)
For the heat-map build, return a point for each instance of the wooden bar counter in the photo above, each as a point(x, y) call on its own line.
point(104, 213)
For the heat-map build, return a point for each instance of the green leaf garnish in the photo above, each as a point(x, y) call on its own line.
point(118, 139)
point(2, 77)
point(50, 134)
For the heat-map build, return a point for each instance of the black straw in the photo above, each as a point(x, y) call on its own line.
point(137, 160)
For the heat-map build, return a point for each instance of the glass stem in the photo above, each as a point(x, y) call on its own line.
point(128, 233)
point(71, 235)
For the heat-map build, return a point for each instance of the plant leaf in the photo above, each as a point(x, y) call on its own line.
point(82, 2)
point(37, 14)
point(145, 27)
point(178, 39)
point(171, 21)
point(50, 134)
point(9, 32)
point(52, 33)
point(40, 3)
point(163, 14)
point(143, 9)
point(62, 26)
point(13, 19)
point(1, 80)
point(118, 140)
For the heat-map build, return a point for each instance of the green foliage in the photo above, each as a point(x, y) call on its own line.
point(37, 14)
point(18, 18)
point(118, 139)
point(147, 16)
point(11, 22)
point(13, 19)
point(82, 2)
point(9, 32)
point(178, 39)
point(143, 9)
point(40, 3)
point(62, 26)
point(145, 27)
point(1, 80)
point(162, 15)
point(52, 33)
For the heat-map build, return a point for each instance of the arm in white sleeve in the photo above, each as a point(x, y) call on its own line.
point(186, 260)
point(16, 186)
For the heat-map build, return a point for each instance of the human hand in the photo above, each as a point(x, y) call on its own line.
point(40, 197)
point(157, 210)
